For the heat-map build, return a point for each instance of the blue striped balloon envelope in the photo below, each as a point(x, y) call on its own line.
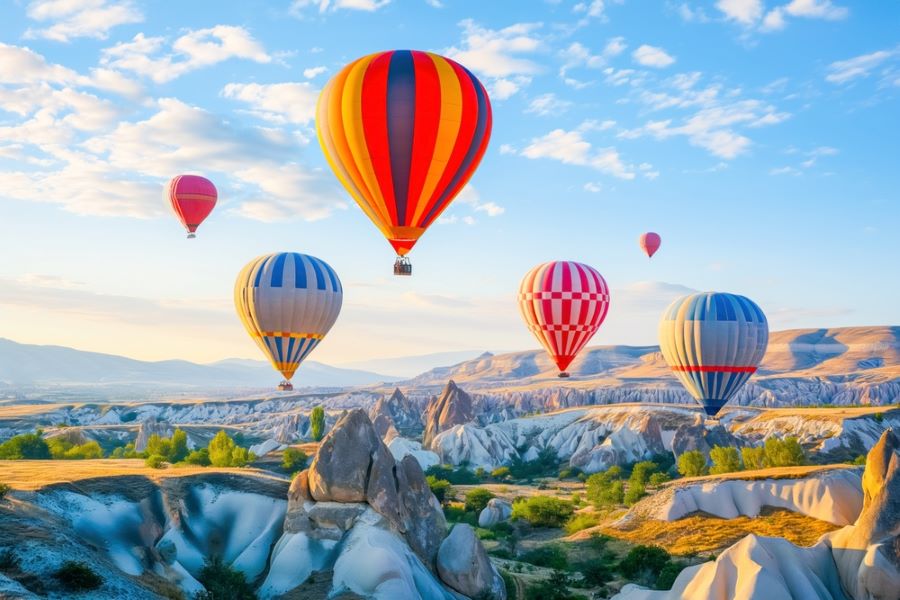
point(713, 342)
point(287, 302)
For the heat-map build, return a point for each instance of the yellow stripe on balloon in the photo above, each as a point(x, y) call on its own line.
point(448, 131)
point(351, 111)
point(290, 334)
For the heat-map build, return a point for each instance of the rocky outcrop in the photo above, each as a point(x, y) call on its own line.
point(697, 436)
point(497, 511)
point(452, 407)
point(147, 429)
point(858, 562)
point(464, 565)
point(396, 409)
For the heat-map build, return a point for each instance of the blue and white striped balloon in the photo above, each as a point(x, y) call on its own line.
point(713, 342)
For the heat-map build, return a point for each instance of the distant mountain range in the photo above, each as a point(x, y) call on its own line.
point(24, 365)
point(410, 366)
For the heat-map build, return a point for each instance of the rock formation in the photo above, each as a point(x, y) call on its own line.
point(397, 409)
point(464, 565)
point(452, 407)
point(496, 511)
point(147, 429)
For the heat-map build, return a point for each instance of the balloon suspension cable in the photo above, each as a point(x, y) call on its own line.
point(402, 266)
point(563, 374)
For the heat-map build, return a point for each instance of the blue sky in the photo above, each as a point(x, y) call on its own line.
point(760, 139)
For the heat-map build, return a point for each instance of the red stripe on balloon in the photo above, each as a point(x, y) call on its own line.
point(713, 369)
point(427, 122)
point(375, 127)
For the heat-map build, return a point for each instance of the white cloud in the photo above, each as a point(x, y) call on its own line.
point(691, 14)
point(577, 55)
point(277, 102)
point(298, 6)
point(193, 50)
point(651, 56)
point(500, 55)
point(570, 147)
point(80, 18)
point(314, 72)
point(845, 71)
point(816, 9)
point(593, 187)
point(547, 104)
point(470, 196)
point(784, 171)
point(23, 65)
point(746, 12)
point(774, 20)
point(507, 149)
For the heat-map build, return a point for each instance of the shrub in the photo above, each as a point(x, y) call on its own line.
point(457, 514)
point(293, 459)
point(643, 561)
point(635, 492)
point(659, 479)
point(604, 489)
point(640, 473)
point(477, 499)
point(500, 473)
point(155, 461)
point(724, 459)
point(576, 499)
point(555, 587)
point(860, 460)
point(581, 521)
point(569, 473)
point(224, 452)
point(545, 465)
point(457, 476)
point(596, 573)
point(692, 463)
point(784, 453)
point(550, 556)
point(439, 487)
point(317, 423)
point(667, 575)
point(179, 446)
point(77, 576)
point(754, 457)
point(543, 511)
point(222, 582)
point(25, 446)
point(879, 417)
point(198, 457)
point(4, 489)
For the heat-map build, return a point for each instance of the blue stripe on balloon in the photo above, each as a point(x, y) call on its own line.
point(259, 271)
point(278, 270)
point(320, 278)
point(331, 275)
point(299, 271)
point(401, 110)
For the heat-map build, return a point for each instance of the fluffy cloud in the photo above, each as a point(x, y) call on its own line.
point(277, 102)
point(570, 147)
point(298, 6)
point(193, 50)
point(577, 55)
point(547, 104)
point(651, 56)
point(500, 55)
point(80, 18)
point(746, 12)
point(750, 13)
point(469, 196)
point(313, 72)
point(846, 71)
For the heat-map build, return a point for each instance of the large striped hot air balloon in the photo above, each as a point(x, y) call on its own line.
point(404, 131)
point(287, 302)
point(649, 243)
point(713, 342)
point(191, 198)
point(563, 304)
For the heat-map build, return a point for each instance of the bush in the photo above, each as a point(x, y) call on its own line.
point(545, 465)
point(644, 563)
point(543, 511)
point(293, 459)
point(596, 573)
point(640, 473)
point(457, 514)
point(4, 489)
point(155, 461)
point(198, 457)
point(659, 479)
point(604, 489)
point(784, 453)
point(439, 487)
point(555, 587)
point(581, 521)
point(29, 446)
point(222, 582)
point(172, 450)
point(667, 575)
point(317, 423)
point(550, 556)
point(635, 492)
point(754, 457)
point(126, 451)
point(860, 460)
point(477, 499)
point(500, 473)
point(724, 460)
point(879, 417)
point(224, 452)
point(457, 476)
point(692, 464)
point(77, 576)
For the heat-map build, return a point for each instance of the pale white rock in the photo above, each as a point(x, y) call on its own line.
point(267, 446)
point(400, 447)
point(497, 511)
point(294, 558)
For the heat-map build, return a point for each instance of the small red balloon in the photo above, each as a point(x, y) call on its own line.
point(650, 243)
point(192, 198)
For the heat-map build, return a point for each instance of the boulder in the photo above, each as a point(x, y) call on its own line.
point(423, 518)
point(463, 565)
point(497, 510)
point(340, 469)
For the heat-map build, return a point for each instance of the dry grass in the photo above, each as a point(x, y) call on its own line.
point(797, 472)
point(703, 533)
point(841, 412)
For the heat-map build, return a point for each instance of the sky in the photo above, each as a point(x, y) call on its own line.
point(758, 138)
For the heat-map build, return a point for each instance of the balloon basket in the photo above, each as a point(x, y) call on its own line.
point(285, 386)
point(563, 374)
point(402, 266)
point(191, 236)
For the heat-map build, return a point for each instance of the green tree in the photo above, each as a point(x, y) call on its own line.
point(725, 459)
point(293, 459)
point(543, 511)
point(223, 582)
point(439, 487)
point(180, 448)
point(754, 457)
point(784, 453)
point(659, 478)
point(477, 499)
point(501, 473)
point(550, 556)
point(640, 473)
point(155, 461)
point(635, 492)
point(604, 489)
point(198, 457)
point(317, 423)
point(224, 452)
point(30, 446)
point(158, 446)
point(692, 463)
point(644, 563)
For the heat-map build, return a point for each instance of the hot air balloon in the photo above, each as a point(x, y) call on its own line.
point(713, 342)
point(404, 131)
point(192, 198)
point(563, 304)
point(287, 302)
point(650, 243)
